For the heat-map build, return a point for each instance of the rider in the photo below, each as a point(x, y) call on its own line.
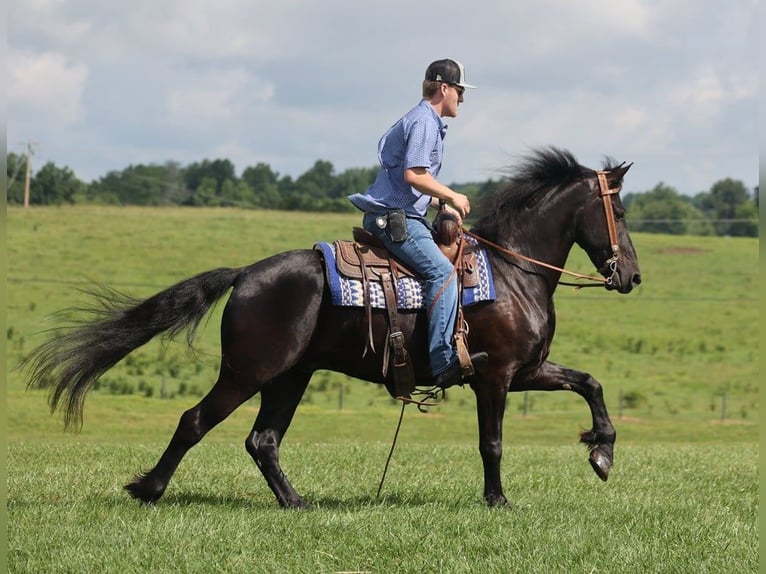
point(395, 205)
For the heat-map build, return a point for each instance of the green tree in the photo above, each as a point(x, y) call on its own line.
point(318, 181)
point(237, 194)
point(218, 170)
point(628, 199)
point(15, 177)
point(286, 187)
point(53, 185)
point(483, 200)
point(353, 180)
point(664, 210)
point(136, 185)
point(174, 190)
point(206, 192)
point(726, 198)
point(301, 202)
point(265, 185)
point(746, 224)
point(102, 191)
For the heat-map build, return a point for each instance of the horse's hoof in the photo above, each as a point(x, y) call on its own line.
point(295, 504)
point(145, 489)
point(494, 500)
point(601, 464)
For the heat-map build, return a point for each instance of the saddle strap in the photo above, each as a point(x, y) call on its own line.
point(399, 359)
point(461, 325)
point(464, 357)
point(370, 344)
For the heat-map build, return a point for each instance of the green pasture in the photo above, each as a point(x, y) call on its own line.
point(678, 359)
point(683, 347)
point(667, 508)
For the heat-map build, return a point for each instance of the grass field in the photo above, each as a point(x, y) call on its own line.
point(678, 359)
point(668, 508)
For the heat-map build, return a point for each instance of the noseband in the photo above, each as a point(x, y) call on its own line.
point(609, 265)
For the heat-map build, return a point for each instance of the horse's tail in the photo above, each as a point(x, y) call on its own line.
point(78, 354)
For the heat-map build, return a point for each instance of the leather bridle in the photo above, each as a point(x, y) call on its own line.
point(605, 193)
point(609, 266)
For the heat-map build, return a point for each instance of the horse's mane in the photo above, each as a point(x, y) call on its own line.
point(526, 185)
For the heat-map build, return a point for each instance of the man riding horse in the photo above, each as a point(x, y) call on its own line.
point(410, 156)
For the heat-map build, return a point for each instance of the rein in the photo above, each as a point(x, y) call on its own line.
point(611, 263)
point(600, 280)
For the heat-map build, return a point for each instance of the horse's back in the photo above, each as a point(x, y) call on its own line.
point(272, 312)
point(289, 269)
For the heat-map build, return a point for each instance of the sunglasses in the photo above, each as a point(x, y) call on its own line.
point(459, 89)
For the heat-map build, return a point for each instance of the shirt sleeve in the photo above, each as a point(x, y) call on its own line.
point(422, 138)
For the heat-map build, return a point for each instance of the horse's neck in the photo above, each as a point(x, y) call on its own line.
point(545, 240)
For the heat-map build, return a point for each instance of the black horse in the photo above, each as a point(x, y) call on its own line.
point(279, 327)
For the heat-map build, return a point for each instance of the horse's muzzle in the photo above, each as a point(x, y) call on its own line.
point(616, 281)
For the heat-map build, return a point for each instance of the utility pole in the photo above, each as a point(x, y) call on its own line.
point(28, 178)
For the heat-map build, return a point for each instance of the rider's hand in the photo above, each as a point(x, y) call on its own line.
point(461, 204)
point(449, 209)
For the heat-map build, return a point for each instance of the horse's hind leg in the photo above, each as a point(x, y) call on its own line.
point(600, 438)
point(279, 399)
point(220, 402)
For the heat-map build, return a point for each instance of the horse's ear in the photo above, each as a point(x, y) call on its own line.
point(615, 175)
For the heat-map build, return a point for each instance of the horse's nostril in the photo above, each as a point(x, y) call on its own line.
point(636, 279)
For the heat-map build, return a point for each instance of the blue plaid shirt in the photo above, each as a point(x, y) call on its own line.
point(416, 140)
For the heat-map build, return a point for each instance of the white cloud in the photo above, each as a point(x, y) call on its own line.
point(205, 100)
point(46, 86)
point(292, 81)
point(563, 22)
point(47, 20)
point(699, 100)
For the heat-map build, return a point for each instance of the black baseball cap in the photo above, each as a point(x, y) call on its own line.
point(447, 71)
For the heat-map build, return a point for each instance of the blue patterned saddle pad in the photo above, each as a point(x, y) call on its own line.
point(347, 292)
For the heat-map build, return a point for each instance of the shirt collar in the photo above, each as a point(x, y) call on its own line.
point(439, 120)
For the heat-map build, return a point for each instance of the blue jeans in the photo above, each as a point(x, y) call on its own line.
point(420, 253)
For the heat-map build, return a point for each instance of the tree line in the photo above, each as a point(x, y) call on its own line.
point(727, 208)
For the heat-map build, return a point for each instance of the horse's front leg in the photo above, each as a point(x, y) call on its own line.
point(490, 406)
point(600, 438)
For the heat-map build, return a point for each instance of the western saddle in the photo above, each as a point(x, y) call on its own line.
point(367, 259)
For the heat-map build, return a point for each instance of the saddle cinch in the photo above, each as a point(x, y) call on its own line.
point(367, 260)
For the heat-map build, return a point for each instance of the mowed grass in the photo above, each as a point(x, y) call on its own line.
point(681, 497)
point(665, 509)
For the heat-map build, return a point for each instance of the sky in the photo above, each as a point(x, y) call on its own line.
point(670, 85)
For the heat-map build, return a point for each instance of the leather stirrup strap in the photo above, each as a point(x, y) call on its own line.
point(370, 344)
point(404, 376)
point(461, 348)
point(461, 326)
